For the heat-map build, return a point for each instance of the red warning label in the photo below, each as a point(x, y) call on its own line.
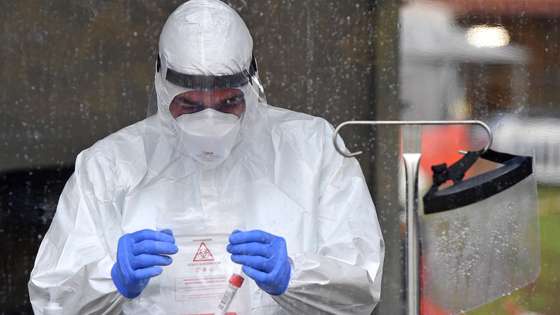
point(203, 253)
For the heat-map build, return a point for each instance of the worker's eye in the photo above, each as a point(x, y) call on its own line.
point(188, 106)
point(232, 104)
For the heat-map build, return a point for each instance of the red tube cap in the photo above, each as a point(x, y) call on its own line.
point(236, 280)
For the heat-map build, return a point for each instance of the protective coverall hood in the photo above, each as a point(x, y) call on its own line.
point(204, 41)
point(205, 37)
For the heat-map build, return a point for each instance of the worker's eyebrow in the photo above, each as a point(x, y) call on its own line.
point(188, 102)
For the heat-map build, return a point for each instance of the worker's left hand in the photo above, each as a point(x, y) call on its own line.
point(264, 258)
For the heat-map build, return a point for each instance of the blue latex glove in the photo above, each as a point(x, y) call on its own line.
point(264, 258)
point(139, 257)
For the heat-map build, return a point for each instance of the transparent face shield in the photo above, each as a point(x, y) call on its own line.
point(227, 101)
point(204, 112)
point(195, 93)
point(479, 236)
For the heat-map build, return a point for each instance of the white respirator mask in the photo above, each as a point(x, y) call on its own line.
point(209, 136)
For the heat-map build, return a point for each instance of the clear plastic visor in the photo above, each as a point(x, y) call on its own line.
point(190, 101)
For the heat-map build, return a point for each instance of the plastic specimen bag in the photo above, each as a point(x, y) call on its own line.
point(480, 236)
point(196, 281)
point(198, 277)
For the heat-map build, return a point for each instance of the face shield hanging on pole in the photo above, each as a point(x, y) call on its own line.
point(478, 239)
point(479, 236)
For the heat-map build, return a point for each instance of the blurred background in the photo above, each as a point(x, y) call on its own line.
point(73, 72)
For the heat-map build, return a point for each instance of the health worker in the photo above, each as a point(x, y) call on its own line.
point(157, 214)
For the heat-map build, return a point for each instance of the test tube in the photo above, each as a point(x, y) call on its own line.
point(235, 282)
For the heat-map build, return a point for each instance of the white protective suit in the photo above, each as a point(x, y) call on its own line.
point(283, 176)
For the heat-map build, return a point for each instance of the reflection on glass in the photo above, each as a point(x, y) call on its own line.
point(488, 36)
point(496, 61)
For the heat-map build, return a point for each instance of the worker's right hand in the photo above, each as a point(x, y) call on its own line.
point(139, 257)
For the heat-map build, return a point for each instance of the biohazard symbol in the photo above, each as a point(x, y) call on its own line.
point(203, 254)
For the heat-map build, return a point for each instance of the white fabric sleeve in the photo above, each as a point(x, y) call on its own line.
point(73, 263)
point(344, 275)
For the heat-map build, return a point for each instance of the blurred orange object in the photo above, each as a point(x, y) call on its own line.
point(440, 144)
point(427, 308)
